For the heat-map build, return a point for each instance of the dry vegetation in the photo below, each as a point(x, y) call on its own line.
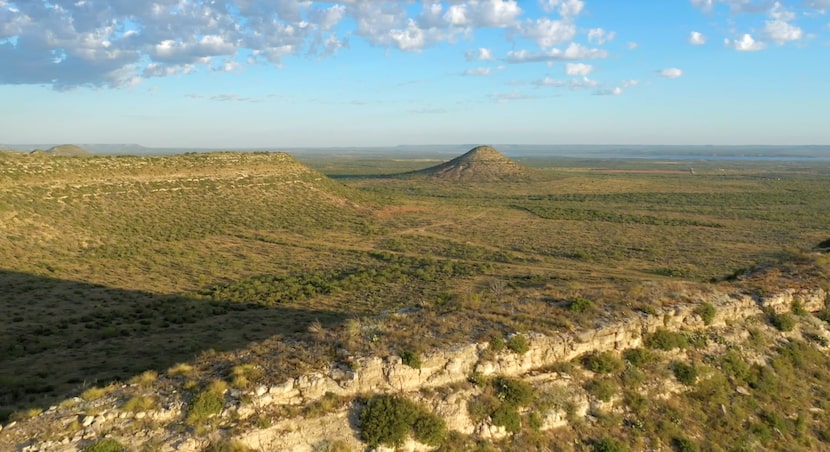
point(113, 267)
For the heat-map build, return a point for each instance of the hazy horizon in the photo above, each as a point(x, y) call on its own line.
point(368, 73)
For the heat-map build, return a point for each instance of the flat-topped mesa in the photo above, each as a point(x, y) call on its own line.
point(68, 150)
point(480, 164)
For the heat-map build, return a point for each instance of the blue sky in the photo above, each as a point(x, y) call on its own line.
point(304, 73)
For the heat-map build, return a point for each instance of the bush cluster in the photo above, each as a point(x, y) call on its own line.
point(782, 322)
point(685, 373)
point(518, 344)
point(389, 419)
point(602, 362)
point(501, 401)
point(105, 445)
point(666, 340)
point(207, 403)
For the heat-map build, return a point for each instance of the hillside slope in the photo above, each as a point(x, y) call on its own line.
point(480, 164)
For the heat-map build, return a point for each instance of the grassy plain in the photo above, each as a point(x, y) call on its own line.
point(113, 266)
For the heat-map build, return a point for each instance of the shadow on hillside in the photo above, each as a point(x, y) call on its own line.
point(59, 337)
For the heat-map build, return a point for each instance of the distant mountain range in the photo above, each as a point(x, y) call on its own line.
point(511, 150)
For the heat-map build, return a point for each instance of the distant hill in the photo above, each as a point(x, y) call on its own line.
point(480, 164)
point(66, 150)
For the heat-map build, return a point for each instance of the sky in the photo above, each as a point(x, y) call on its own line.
point(309, 73)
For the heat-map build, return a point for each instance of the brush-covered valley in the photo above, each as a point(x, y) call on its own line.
point(263, 301)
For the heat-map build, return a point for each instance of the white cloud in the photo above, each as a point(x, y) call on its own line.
point(481, 54)
point(584, 82)
point(705, 5)
point(578, 69)
point(68, 43)
point(745, 44)
point(671, 72)
point(779, 29)
point(548, 33)
point(609, 92)
point(735, 6)
point(547, 81)
point(478, 71)
point(781, 32)
point(632, 45)
point(567, 8)
point(629, 83)
point(483, 13)
point(696, 38)
point(573, 52)
point(504, 98)
point(600, 36)
point(574, 83)
point(778, 12)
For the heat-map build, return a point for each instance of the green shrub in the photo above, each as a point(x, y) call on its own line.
point(478, 379)
point(707, 312)
point(105, 445)
point(797, 308)
point(429, 429)
point(497, 344)
point(481, 407)
point(666, 340)
point(411, 359)
point(639, 357)
point(683, 445)
point(781, 322)
point(685, 373)
point(513, 392)
point(389, 419)
point(580, 305)
point(535, 421)
point(601, 388)
point(824, 315)
point(608, 445)
point(508, 417)
point(518, 344)
point(602, 362)
point(207, 403)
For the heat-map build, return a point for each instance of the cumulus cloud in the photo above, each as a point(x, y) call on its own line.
point(780, 26)
point(111, 43)
point(574, 51)
point(745, 44)
point(779, 29)
point(478, 71)
point(600, 36)
point(574, 83)
point(696, 38)
point(735, 6)
point(504, 98)
point(547, 81)
point(548, 33)
point(781, 32)
point(482, 54)
point(609, 92)
point(483, 13)
point(671, 72)
point(566, 8)
point(578, 69)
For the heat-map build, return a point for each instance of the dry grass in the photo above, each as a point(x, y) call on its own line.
point(117, 266)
